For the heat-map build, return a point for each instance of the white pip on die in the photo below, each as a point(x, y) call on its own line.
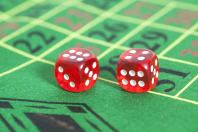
point(138, 70)
point(76, 70)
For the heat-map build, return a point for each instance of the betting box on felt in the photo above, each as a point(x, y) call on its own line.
point(34, 32)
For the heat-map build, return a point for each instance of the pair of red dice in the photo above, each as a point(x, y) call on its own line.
point(77, 70)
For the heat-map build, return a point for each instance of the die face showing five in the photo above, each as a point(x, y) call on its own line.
point(138, 70)
point(89, 73)
point(76, 70)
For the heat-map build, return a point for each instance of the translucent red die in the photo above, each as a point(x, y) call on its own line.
point(138, 70)
point(76, 69)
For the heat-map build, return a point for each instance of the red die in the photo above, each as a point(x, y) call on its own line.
point(76, 70)
point(138, 70)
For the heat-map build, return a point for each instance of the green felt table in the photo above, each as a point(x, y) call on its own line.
point(34, 32)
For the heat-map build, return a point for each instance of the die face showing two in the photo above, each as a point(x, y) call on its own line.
point(76, 70)
point(138, 70)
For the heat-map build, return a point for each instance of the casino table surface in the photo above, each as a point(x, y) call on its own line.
point(34, 32)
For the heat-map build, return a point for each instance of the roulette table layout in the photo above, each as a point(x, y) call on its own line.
point(34, 32)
